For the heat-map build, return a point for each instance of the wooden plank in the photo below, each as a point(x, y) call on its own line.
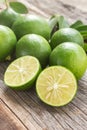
point(28, 111)
point(64, 117)
point(24, 109)
point(47, 8)
point(25, 99)
point(82, 4)
point(13, 102)
point(8, 121)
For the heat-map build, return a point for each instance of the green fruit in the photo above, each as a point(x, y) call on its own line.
point(8, 16)
point(7, 42)
point(35, 45)
point(31, 24)
point(22, 73)
point(56, 86)
point(70, 55)
point(66, 35)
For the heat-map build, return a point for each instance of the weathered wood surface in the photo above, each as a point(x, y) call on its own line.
point(23, 110)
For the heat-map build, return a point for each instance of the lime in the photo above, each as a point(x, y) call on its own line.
point(22, 73)
point(35, 45)
point(7, 42)
point(31, 24)
point(56, 86)
point(70, 55)
point(8, 16)
point(66, 35)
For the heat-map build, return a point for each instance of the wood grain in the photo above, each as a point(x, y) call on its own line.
point(22, 110)
point(8, 121)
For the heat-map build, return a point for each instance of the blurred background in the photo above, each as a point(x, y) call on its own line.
point(71, 9)
point(80, 4)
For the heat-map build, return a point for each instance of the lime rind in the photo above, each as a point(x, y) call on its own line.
point(39, 93)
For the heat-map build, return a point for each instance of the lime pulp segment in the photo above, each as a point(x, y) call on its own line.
point(22, 71)
point(56, 86)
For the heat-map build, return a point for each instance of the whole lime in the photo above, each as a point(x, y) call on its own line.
point(31, 24)
point(70, 55)
point(7, 42)
point(66, 35)
point(34, 45)
point(8, 16)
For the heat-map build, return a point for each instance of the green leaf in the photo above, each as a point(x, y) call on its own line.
point(76, 24)
point(53, 21)
point(83, 30)
point(19, 7)
point(63, 22)
point(57, 22)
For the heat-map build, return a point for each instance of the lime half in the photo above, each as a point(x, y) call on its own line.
point(56, 86)
point(22, 72)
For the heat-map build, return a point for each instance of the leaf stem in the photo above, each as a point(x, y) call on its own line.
point(7, 3)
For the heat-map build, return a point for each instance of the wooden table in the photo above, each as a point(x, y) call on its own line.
point(23, 110)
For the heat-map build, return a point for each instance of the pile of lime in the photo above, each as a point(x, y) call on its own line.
point(48, 54)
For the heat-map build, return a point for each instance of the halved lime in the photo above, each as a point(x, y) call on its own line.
point(22, 72)
point(56, 86)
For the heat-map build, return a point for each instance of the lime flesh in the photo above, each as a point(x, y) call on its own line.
point(56, 86)
point(22, 72)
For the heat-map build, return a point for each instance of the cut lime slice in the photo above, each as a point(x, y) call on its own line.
point(22, 72)
point(56, 86)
